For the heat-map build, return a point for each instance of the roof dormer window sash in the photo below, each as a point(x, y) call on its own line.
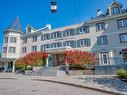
point(115, 10)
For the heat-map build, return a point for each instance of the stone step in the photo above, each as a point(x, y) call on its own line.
point(46, 71)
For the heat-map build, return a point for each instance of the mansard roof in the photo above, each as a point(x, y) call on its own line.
point(15, 25)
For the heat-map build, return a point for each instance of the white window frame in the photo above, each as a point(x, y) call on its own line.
point(102, 58)
point(12, 50)
point(124, 37)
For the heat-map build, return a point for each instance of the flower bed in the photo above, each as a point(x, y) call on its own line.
point(122, 75)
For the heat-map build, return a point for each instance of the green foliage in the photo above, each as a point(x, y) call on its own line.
point(122, 73)
point(20, 66)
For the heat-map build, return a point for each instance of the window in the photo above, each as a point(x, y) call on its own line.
point(122, 23)
point(24, 50)
point(70, 32)
point(34, 38)
point(13, 39)
point(24, 40)
point(56, 35)
point(34, 48)
point(100, 26)
point(105, 58)
point(4, 49)
point(84, 29)
point(45, 37)
point(55, 45)
point(44, 47)
point(70, 43)
point(65, 33)
point(115, 10)
point(6, 40)
point(124, 54)
point(83, 42)
point(102, 40)
point(123, 38)
point(12, 49)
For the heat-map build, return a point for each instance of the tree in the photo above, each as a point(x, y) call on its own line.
point(32, 59)
point(81, 58)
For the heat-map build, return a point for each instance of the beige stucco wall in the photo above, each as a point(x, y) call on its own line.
point(17, 45)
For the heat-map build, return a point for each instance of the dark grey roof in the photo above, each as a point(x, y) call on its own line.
point(15, 25)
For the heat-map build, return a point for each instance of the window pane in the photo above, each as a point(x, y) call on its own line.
point(6, 40)
point(12, 49)
point(83, 42)
point(34, 38)
point(122, 23)
point(24, 40)
point(123, 38)
point(115, 10)
point(34, 48)
point(102, 40)
point(13, 39)
point(4, 49)
point(100, 26)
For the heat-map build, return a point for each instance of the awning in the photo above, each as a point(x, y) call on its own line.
point(58, 50)
point(7, 59)
point(125, 49)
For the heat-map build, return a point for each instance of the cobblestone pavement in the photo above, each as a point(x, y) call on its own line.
point(111, 82)
point(11, 84)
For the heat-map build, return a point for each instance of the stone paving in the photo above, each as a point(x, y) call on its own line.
point(11, 84)
point(110, 82)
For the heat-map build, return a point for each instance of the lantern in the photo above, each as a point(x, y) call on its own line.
point(53, 6)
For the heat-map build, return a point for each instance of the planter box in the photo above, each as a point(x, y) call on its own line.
point(88, 72)
point(75, 72)
point(36, 68)
point(27, 72)
point(123, 79)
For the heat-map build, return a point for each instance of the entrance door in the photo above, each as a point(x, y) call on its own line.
point(10, 66)
point(105, 58)
point(60, 59)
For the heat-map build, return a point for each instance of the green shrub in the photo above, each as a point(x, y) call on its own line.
point(122, 73)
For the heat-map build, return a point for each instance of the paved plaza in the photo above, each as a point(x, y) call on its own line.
point(11, 84)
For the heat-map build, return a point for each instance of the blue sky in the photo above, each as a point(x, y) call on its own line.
point(37, 12)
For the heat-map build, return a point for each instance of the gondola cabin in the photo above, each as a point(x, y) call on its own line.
point(53, 6)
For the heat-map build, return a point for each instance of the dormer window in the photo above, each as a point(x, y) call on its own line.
point(28, 29)
point(115, 10)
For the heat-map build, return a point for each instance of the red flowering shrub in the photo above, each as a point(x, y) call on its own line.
point(31, 59)
point(79, 57)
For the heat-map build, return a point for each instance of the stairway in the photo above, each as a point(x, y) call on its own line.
point(45, 71)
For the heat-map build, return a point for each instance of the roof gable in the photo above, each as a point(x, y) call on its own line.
point(116, 3)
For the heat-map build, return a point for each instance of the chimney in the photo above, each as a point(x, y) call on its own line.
point(49, 26)
point(99, 12)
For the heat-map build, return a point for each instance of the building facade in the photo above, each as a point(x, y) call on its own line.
point(105, 35)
